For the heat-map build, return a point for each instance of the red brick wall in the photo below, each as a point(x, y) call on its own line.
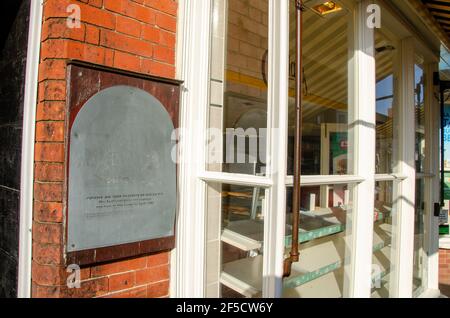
point(444, 267)
point(136, 35)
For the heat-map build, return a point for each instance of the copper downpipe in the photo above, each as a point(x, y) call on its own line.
point(294, 254)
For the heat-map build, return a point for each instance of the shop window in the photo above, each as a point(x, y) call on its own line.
point(385, 163)
point(382, 260)
point(238, 87)
point(325, 231)
point(326, 209)
point(420, 204)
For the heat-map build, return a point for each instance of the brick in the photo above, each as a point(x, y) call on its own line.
point(85, 52)
point(158, 69)
point(127, 61)
point(48, 192)
point(47, 275)
point(48, 212)
point(47, 253)
point(126, 44)
point(52, 70)
point(69, 49)
point(50, 172)
point(49, 152)
point(92, 34)
point(131, 9)
point(128, 26)
point(88, 289)
point(54, 48)
point(57, 28)
point(168, 6)
point(51, 110)
point(150, 33)
point(164, 54)
point(166, 22)
point(119, 267)
point(52, 91)
point(38, 291)
point(122, 281)
point(47, 233)
point(158, 259)
point(137, 292)
point(50, 131)
point(109, 57)
point(152, 275)
point(157, 290)
point(96, 3)
point(167, 39)
point(89, 14)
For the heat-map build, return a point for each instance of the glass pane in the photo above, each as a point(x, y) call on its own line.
point(419, 252)
point(382, 241)
point(419, 231)
point(325, 107)
point(386, 101)
point(235, 241)
point(324, 235)
point(420, 118)
point(238, 87)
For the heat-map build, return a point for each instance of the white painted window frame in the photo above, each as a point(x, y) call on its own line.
point(28, 140)
point(189, 259)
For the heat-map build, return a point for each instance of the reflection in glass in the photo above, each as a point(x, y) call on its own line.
point(238, 87)
point(324, 234)
point(382, 239)
point(419, 220)
point(420, 118)
point(235, 241)
point(419, 243)
point(385, 102)
point(325, 92)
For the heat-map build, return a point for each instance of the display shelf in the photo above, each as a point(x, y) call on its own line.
point(248, 235)
point(330, 285)
point(319, 258)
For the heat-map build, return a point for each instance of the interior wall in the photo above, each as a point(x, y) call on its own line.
point(14, 41)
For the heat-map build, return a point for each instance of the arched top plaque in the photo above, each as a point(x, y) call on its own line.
point(121, 172)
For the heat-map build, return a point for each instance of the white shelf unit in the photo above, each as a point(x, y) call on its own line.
point(320, 267)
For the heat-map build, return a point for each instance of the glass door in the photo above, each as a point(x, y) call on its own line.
point(353, 161)
point(238, 121)
point(327, 150)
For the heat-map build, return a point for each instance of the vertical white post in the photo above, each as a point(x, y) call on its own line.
point(432, 185)
point(403, 221)
point(362, 109)
point(27, 168)
point(278, 132)
point(193, 67)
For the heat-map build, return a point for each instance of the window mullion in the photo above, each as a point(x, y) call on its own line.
point(432, 165)
point(403, 222)
point(362, 128)
point(274, 231)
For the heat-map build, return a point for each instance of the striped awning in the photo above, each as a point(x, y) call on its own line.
point(440, 9)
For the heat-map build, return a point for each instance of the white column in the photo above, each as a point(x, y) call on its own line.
point(362, 108)
point(193, 68)
point(275, 217)
point(403, 220)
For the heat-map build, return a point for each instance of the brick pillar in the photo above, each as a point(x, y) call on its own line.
point(444, 267)
point(139, 36)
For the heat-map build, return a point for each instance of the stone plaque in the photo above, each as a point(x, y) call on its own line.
point(121, 172)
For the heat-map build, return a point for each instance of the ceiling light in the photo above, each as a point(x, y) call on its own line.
point(327, 8)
